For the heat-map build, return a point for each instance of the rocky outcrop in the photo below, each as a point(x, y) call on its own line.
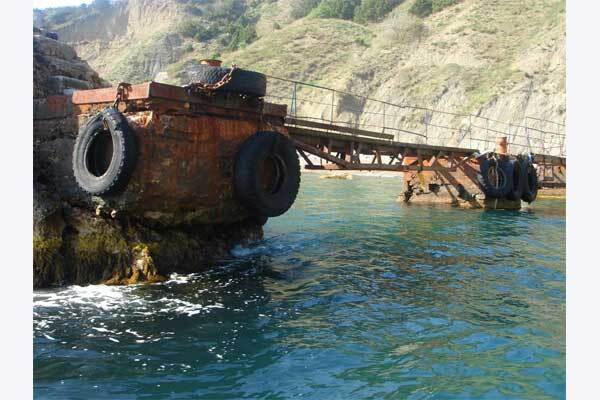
point(75, 243)
point(58, 70)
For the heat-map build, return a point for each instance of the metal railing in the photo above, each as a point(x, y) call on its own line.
point(417, 124)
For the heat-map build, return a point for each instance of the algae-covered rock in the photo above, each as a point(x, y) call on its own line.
point(85, 248)
point(73, 242)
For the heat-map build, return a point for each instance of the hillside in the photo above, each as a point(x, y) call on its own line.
point(501, 59)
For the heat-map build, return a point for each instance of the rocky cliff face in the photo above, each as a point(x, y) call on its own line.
point(501, 60)
point(125, 40)
point(75, 243)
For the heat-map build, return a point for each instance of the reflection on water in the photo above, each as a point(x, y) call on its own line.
point(351, 295)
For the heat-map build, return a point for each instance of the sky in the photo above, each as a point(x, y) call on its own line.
point(58, 3)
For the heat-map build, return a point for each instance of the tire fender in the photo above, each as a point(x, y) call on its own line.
point(105, 153)
point(267, 174)
point(504, 170)
point(517, 187)
point(530, 181)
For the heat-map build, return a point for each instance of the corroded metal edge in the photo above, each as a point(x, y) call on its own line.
point(162, 91)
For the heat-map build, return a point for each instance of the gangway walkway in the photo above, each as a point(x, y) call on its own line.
point(340, 127)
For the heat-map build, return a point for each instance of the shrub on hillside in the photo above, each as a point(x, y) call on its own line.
point(301, 8)
point(340, 9)
point(242, 33)
point(437, 5)
point(228, 9)
point(229, 21)
point(193, 9)
point(423, 8)
point(374, 10)
point(198, 30)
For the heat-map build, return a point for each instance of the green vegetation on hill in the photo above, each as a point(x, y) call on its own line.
point(423, 8)
point(374, 10)
point(342, 9)
point(301, 8)
point(232, 21)
point(361, 11)
point(465, 55)
point(331, 43)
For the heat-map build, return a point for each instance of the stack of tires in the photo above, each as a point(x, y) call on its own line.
point(267, 169)
point(509, 179)
point(244, 82)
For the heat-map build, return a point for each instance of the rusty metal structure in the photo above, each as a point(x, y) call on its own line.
point(438, 151)
point(189, 136)
point(187, 143)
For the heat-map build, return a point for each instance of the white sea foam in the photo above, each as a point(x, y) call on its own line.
point(99, 302)
point(109, 310)
point(103, 330)
point(134, 333)
point(271, 246)
point(240, 251)
point(178, 279)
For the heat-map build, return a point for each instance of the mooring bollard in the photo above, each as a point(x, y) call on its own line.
point(501, 145)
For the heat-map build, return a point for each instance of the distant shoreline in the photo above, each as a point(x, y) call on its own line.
point(374, 174)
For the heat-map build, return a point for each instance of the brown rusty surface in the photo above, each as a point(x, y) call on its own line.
point(451, 186)
point(108, 95)
point(454, 186)
point(502, 145)
point(184, 172)
point(552, 176)
point(153, 91)
point(551, 160)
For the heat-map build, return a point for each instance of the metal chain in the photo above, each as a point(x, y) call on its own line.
point(495, 159)
point(210, 87)
point(122, 90)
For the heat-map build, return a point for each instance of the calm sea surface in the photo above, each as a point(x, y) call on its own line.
point(350, 296)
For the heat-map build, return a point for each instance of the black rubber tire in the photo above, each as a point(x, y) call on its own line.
point(248, 174)
point(259, 219)
point(516, 190)
point(115, 176)
point(530, 181)
point(491, 190)
point(242, 81)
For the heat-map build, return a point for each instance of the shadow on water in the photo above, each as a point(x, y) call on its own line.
point(349, 296)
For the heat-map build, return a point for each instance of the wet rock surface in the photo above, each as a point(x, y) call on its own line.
point(75, 243)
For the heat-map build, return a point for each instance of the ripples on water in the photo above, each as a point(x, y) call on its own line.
point(351, 295)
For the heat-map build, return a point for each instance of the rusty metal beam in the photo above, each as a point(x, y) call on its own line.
point(304, 156)
point(306, 135)
point(375, 167)
point(319, 153)
point(337, 128)
point(338, 163)
point(552, 160)
point(179, 96)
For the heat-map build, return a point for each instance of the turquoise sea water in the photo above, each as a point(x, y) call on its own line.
point(350, 296)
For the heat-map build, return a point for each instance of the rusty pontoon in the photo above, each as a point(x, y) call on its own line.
point(206, 155)
point(187, 144)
